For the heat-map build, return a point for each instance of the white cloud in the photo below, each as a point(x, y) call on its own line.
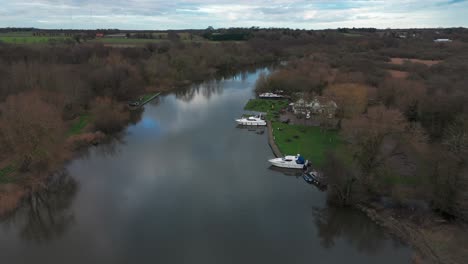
point(158, 14)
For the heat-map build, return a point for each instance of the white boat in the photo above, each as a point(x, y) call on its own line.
point(251, 121)
point(270, 95)
point(291, 162)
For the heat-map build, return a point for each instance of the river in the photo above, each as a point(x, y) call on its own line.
point(184, 185)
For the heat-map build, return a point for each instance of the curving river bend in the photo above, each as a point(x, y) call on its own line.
point(184, 185)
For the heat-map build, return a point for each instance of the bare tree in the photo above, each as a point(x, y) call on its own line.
point(32, 129)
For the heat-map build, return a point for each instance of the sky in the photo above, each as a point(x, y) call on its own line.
point(199, 14)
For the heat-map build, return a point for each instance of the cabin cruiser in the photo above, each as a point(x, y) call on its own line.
point(270, 95)
point(251, 121)
point(291, 162)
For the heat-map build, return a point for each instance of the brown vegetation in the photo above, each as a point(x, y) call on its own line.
point(398, 74)
point(351, 98)
point(400, 61)
point(403, 120)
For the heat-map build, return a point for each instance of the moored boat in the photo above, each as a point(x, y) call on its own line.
point(251, 121)
point(270, 96)
point(290, 162)
point(315, 177)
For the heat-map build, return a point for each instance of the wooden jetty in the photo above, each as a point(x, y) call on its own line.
point(137, 104)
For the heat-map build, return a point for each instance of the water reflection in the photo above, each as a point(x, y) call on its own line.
point(207, 90)
point(45, 215)
point(352, 226)
point(287, 172)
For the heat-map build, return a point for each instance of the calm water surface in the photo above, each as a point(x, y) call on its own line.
point(184, 185)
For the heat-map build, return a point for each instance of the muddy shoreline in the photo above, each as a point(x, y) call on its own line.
point(434, 239)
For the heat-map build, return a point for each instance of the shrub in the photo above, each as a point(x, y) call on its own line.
point(109, 116)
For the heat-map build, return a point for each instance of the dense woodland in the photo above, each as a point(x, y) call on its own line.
point(404, 125)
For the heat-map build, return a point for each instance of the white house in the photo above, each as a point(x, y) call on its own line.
point(319, 106)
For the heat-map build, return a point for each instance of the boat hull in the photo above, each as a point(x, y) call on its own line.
point(250, 123)
point(289, 165)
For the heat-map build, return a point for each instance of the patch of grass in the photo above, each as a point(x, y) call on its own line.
point(270, 107)
point(31, 39)
point(79, 125)
point(127, 40)
point(5, 172)
point(352, 35)
point(394, 180)
point(310, 142)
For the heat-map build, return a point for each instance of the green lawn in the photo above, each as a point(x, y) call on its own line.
point(31, 39)
point(126, 40)
point(271, 107)
point(79, 125)
point(310, 142)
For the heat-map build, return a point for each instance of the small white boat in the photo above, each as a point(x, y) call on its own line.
point(291, 162)
point(251, 121)
point(270, 95)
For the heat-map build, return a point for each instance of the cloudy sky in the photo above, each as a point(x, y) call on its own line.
point(180, 14)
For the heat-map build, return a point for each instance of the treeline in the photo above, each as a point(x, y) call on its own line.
point(406, 137)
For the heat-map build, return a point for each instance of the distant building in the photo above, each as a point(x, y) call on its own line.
point(99, 35)
point(319, 106)
point(442, 40)
point(122, 35)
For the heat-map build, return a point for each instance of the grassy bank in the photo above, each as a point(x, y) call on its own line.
point(310, 142)
point(270, 107)
point(79, 125)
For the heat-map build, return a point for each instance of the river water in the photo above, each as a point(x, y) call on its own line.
point(184, 185)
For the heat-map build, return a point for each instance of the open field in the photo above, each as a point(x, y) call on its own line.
point(126, 40)
point(31, 39)
point(310, 142)
point(398, 74)
point(400, 61)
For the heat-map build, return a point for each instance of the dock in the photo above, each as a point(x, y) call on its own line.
point(136, 104)
point(271, 141)
point(150, 99)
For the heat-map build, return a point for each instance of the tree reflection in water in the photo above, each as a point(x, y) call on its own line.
point(351, 226)
point(44, 214)
point(206, 89)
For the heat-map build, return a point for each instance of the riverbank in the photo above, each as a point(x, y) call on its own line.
point(86, 130)
point(435, 239)
point(286, 139)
